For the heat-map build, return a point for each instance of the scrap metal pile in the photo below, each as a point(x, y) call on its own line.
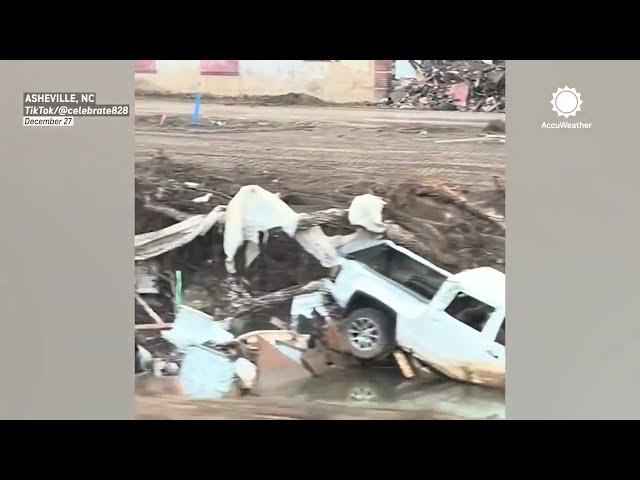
point(465, 85)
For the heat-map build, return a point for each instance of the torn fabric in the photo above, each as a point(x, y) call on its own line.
point(323, 248)
point(251, 253)
point(315, 242)
point(156, 243)
point(252, 210)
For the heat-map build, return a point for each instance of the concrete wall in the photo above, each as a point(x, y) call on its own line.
point(339, 81)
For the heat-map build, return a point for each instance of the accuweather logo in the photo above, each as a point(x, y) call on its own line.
point(566, 102)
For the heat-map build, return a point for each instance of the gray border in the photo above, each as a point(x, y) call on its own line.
point(572, 264)
point(66, 196)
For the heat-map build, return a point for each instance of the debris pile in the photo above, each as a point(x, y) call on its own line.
point(465, 85)
point(210, 363)
point(207, 361)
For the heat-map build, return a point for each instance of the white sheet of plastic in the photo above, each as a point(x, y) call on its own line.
point(152, 244)
point(246, 371)
point(315, 242)
point(252, 210)
point(251, 253)
point(324, 248)
point(193, 327)
point(206, 374)
point(366, 211)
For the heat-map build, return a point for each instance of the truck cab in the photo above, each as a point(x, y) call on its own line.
point(454, 323)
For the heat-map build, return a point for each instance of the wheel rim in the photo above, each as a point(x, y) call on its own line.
point(364, 334)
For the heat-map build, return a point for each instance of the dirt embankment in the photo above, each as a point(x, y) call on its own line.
point(291, 98)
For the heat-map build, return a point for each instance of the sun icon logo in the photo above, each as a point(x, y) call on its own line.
point(566, 102)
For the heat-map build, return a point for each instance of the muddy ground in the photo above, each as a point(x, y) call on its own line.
point(316, 161)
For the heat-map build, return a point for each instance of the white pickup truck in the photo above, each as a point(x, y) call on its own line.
point(453, 323)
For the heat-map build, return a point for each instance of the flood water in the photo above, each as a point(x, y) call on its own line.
point(386, 387)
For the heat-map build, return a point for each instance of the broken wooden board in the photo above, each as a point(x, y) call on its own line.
point(275, 369)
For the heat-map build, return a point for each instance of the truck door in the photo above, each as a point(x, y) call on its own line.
point(455, 336)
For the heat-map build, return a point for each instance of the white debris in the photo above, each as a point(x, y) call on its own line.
point(191, 184)
point(246, 371)
point(193, 327)
point(152, 244)
point(315, 242)
point(206, 373)
point(203, 199)
point(324, 248)
point(158, 366)
point(252, 210)
point(251, 253)
point(304, 305)
point(366, 211)
point(145, 357)
point(172, 368)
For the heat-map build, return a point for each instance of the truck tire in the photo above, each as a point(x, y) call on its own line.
point(368, 333)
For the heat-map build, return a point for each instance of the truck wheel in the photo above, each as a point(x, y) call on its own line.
point(367, 331)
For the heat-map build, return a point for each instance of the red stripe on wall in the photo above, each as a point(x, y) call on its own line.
point(145, 66)
point(219, 67)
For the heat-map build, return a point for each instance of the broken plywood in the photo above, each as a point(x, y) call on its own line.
point(275, 369)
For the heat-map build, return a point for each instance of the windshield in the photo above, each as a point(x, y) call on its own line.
point(396, 266)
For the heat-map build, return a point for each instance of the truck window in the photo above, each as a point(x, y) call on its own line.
point(469, 311)
point(397, 266)
point(376, 257)
point(414, 275)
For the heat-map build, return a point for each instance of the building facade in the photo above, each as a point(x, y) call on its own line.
point(340, 81)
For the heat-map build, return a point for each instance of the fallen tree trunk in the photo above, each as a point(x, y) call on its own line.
point(461, 201)
point(167, 211)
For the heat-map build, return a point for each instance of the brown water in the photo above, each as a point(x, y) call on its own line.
point(386, 387)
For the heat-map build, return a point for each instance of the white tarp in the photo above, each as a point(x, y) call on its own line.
point(366, 211)
point(206, 374)
point(152, 244)
point(193, 327)
point(315, 242)
point(252, 210)
point(324, 248)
